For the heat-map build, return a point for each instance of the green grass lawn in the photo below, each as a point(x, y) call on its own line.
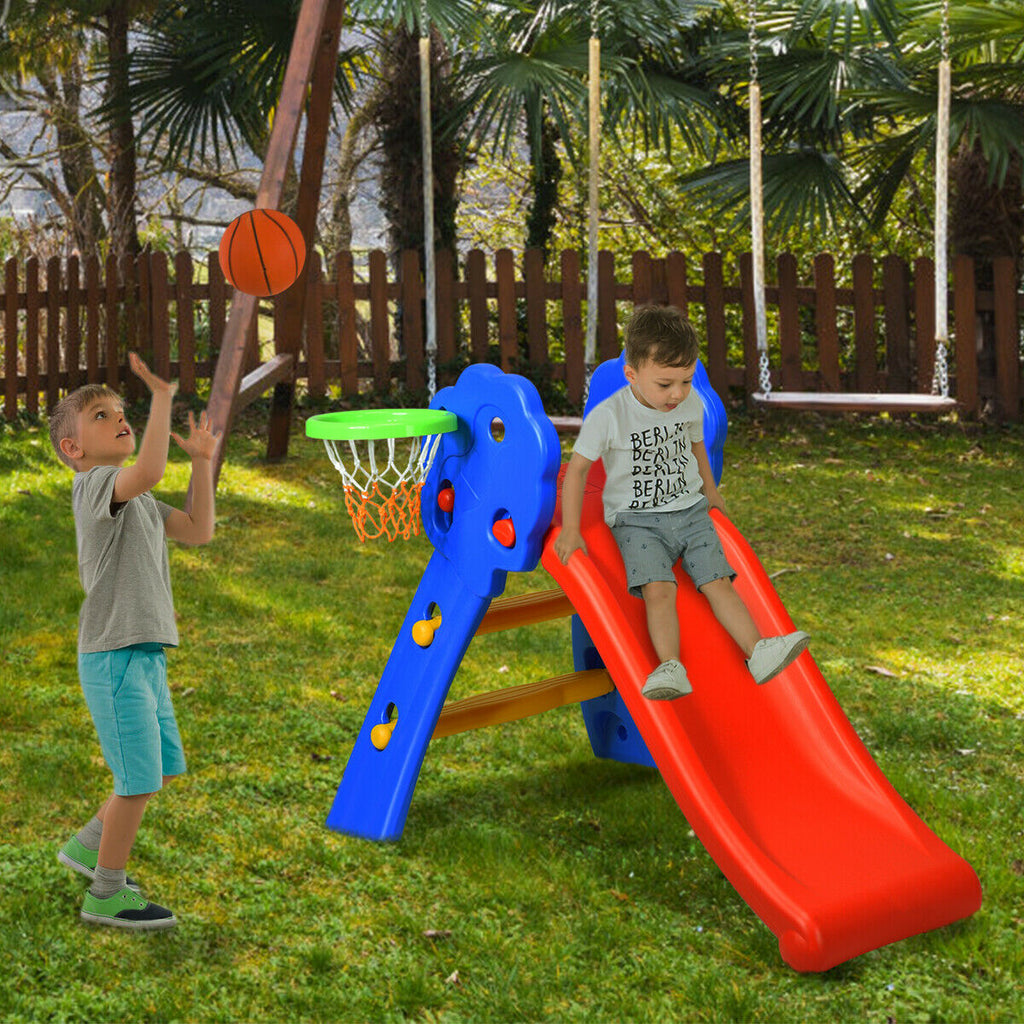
point(533, 882)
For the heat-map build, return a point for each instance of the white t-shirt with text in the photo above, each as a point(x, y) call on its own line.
point(648, 454)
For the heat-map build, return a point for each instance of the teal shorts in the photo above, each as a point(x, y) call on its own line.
point(130, 703)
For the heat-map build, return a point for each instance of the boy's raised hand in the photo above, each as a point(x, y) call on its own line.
point(151, 380)
point(201, 442)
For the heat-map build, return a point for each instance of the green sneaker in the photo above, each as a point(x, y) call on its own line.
point(126, 909)
point(75, 856)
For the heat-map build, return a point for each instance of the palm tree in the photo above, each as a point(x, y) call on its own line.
point(205, 79)
point(850, 106)
point(987, 212)
point(850, 115)
point(122, 206)
point(527, 82)
point(395, 116)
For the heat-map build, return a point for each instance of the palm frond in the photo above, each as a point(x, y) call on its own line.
point(205, 77)
point(803, 190)
point(650, 106)
point(837, 26)
point(452, 18)
point(881, 168)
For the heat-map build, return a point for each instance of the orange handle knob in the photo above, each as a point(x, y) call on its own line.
point(504, 532)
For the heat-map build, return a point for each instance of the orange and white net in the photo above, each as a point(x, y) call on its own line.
point(383, 497)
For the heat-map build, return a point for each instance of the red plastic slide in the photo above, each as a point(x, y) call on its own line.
point(773, 779)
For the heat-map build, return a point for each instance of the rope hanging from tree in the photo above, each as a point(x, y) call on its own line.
point(429, 255)
point(757, 208)
point(940, 378)
point(939, 399)
point(593, 201)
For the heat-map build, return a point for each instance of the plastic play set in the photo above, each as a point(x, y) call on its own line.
point(773, 779)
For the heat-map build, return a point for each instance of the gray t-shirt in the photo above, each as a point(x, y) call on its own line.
point(122, 563)
point(648, 455)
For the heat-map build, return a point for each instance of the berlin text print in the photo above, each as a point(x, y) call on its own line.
point(660, 457)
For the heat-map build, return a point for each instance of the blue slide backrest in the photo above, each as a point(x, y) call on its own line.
point(610, 376)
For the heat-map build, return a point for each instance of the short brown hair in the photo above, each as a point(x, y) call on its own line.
point(64, 418)
point(661, 334)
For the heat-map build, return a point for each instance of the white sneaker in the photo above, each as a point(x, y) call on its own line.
point(667, 682)
point(772, 655)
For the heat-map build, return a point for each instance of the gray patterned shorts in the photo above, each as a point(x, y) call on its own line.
point(652, 542)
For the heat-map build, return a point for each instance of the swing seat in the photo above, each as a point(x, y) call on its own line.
point(854, 401)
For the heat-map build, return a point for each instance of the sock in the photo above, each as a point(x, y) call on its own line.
point(90, 834)
point(108, 882)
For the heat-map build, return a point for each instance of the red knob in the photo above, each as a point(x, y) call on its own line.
point(504, 532)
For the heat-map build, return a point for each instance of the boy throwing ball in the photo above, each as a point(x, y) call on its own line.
point(127, 619)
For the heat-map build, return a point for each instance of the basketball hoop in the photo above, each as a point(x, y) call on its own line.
point(382, 497)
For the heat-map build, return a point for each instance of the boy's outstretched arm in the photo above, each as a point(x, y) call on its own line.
point(196, 527)
point(148, 469)
point(569, 538)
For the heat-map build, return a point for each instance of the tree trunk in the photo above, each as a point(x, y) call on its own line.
point(545, 175)
point(86, 199)
point(986, 217)
point(986, 220)
point(396, 114)
point(122, 201)
point(338, 234)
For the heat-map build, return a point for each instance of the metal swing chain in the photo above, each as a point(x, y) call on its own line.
point(944, 32)
point(752, 37)
point(940, 376)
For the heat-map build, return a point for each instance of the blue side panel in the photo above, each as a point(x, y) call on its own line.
point(376, 789)
point(501, 464)
point(609, 724)
point(611, 375)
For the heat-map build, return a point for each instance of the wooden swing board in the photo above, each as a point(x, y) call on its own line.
point(854, 401)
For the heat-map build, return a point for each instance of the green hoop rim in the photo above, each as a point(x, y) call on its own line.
point(380, 424)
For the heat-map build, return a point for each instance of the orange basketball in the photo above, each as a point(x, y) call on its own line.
point(261, 252)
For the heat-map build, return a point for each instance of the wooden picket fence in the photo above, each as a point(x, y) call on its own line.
point(65, 323)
